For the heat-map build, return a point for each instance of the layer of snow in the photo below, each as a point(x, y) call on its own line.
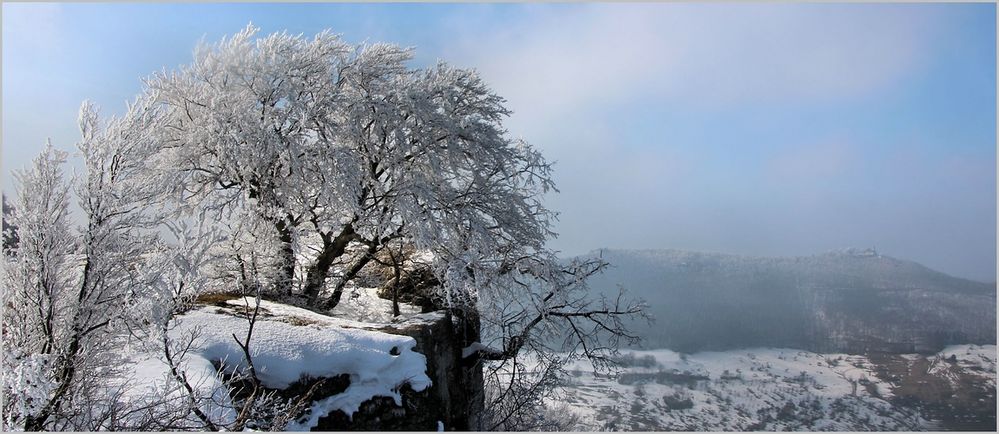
point(284, 352)
point(290, 343)
point(148, 375)
point(980, 358)
point(736, 390)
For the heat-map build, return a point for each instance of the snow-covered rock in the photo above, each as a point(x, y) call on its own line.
point(290, 345)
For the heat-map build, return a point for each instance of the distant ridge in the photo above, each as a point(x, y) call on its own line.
point(852, 300)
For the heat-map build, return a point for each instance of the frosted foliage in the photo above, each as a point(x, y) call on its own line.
point(26, 383)
point(37, 293)
point(317, 135)
point(39, 270)
point(72, 296)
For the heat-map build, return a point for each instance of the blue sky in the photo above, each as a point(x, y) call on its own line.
point(761, 129)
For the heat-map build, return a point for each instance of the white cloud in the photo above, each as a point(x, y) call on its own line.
point(566, 60)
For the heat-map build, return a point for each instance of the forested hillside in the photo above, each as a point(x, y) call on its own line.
point(850, 300)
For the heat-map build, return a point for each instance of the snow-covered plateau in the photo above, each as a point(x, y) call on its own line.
point(786, 389)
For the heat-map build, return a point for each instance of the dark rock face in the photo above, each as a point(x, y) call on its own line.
point(849, 301)
point(419, 412)
point(327, 387)
point(454, 399)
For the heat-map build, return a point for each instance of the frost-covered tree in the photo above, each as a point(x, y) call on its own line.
point(69, 294)
point(344, 150)
point(37, 293)
point(76, 299)
point(337, 145)
point(244, 122)
point(9, 229)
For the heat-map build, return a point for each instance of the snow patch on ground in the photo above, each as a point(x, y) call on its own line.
point(363, 304)
point(753, 389)
point(979, 360)
point(283, 352)
point(147, 376)
point(290, 343)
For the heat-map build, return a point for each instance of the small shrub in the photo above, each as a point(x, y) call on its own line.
point(678, 401)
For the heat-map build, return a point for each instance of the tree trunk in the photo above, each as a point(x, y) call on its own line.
point(318, 272)
point(395, 285)
point(348, 276)
point(287, 269)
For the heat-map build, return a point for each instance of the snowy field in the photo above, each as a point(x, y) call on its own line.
point(758, 389)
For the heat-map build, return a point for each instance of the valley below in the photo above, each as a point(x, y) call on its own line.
point(854, 301)
point(779, 389)
point(847, 340)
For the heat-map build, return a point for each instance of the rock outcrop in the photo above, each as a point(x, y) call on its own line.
point(453, 401)
point(328, 353)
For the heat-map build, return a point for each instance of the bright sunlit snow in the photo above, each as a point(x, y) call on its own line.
point(288, 344)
